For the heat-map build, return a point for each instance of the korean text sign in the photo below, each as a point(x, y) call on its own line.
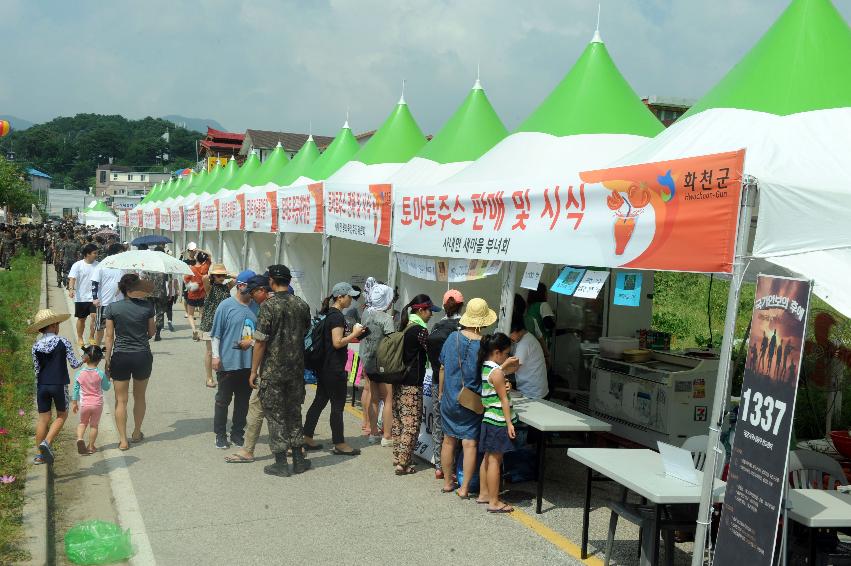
point(678, 215)
point(300, 209)
point(359, 212)
point(755, 481)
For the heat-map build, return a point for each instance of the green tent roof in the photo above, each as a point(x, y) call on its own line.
point(245, 173)
point(224, 177)
point(306, 156)
point(213, 177)
point(100, 207)
point(469, 133)
point(337, 154)
point(397, 140)
point(183, 185)
point(802, 63)
point(167, 191)
point(151, 196)
point(593, 98)
point(196, 185)
point(276, 161)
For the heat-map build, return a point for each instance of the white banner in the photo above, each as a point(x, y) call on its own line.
point(261, 213)
point(300, 209)
point(419, 267)
point(210, 215)
point(165, 218)
point(424, 448)
point(361, 212)
point(176, 219)
point(150, 218)
point(192, 218)
point(231, 215)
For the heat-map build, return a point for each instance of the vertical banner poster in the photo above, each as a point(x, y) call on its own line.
point(628, 289)
point(192, 217)
point(261, 211)
point(360, 212)
point(210, 215)
point(300, 209)
point(176, 219)
point(757, 474)
point(231, 216)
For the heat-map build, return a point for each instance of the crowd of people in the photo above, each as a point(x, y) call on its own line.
point(254, 330)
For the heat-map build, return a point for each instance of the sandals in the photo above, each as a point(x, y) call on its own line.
point(125, 448)
point(506, 508)
point(137, 439)
point(312, 447)
point(238, 459)
point(458, 493)
point(81, 447)
point(405, 471)
point(211, 384)
point(337, 452)
point(196, 336)
point(450, 490)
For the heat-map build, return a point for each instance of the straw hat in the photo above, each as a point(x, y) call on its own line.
point(219, 269)
point(477, 314)
point(46, 317)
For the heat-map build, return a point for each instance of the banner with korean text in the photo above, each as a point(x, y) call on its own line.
point(176, 219)
point(150, 218)
point(361, 212)
point(210, 215)
point(137, 221)
point(678, 215)
point(165, 218)
point(261, 211)
point(300, 209)
point(757, 475)
point(231, 213)
point(192, 217)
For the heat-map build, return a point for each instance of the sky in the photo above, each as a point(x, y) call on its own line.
point(297, 66)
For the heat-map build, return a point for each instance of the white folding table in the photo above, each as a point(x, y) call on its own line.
point(548, 417)
point(818, 509)
point(641, 471)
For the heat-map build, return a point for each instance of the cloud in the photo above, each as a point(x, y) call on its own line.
point(286, 65)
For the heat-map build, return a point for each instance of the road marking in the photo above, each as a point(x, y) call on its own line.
point(560, 541)
point(126, 504)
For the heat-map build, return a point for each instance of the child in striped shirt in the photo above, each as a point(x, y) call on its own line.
point(498, 421)
point(89, 385)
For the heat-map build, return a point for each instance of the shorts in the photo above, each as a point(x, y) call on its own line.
point(49, 395)
point(90, 414)
point(100, 322)
point(197, 303)
point(84, 309)
point(126, 365)
point(494, 439)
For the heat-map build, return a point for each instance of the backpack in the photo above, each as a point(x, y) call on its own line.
point(314, 344)
point(436, 338)
point(390, 357)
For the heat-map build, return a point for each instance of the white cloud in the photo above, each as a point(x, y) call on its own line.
point(268, 64)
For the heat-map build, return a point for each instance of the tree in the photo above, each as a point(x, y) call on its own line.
point(14, 189)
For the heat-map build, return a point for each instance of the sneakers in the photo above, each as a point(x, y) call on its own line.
point(386, 443)
point(170, 326)
point(222, 442)
point(374, 439)
point(237, 440)
point(46, 452)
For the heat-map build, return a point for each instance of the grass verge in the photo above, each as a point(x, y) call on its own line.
point(20, 288)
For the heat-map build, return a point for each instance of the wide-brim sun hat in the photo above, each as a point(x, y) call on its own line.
point(44, 318)
point(477, 314)
point(219, 269)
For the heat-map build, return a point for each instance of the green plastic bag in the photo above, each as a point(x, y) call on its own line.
point(97, 542)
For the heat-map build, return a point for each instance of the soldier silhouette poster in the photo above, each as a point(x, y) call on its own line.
point(757, 472)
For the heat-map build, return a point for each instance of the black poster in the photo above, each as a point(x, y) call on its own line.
point(752, 502)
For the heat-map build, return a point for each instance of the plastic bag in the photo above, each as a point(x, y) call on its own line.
point(97, 542)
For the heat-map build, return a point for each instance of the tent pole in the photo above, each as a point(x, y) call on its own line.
point(279, 248)
point(506, 303)
point(326, 265)
point(392, 269)
point(245, 241)
point(221, 247)
point(723, 383)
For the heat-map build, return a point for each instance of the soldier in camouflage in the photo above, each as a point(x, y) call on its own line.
point(282, 322)
point(70, 254)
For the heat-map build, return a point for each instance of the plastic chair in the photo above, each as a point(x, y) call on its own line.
point(643, 515)
point(809, 469)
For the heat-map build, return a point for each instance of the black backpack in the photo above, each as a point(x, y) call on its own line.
point(314, 344)
point(436, 338)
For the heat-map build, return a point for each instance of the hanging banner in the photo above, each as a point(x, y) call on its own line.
point(165, 218)
point(137, 218)
point(151, 218)
point(123, 218)
point(757, 474)
point(192, 217)
point(231, 216)
point(419, 267)
point(210, 215)
point(360, 212)
point(176, 219)
point(460, 270)
point(301, 210)
point(675, 215)
point(261, 211)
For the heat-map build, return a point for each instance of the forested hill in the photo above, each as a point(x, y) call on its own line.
point(69, 149)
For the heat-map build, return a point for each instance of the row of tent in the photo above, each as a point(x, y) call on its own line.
point(787, 102)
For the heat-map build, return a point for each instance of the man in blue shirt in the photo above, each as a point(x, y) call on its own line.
point(232, 344)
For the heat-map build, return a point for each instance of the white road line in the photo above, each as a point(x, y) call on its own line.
point(126, 505)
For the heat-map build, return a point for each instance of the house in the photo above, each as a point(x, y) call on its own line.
point(122, 183)
point(265, 141)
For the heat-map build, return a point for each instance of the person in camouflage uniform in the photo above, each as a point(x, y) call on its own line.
point(7, 247)
point(282, 322)
point(70, 254)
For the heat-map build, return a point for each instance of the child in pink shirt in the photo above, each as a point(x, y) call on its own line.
point(89, 385)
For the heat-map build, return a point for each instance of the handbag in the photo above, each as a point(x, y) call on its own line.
point(467, 398)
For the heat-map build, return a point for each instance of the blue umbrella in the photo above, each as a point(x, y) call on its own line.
point(150, 240)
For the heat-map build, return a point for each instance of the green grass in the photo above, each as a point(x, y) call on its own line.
point(19, 299)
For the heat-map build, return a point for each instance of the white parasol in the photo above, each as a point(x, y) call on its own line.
point(147, 260)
